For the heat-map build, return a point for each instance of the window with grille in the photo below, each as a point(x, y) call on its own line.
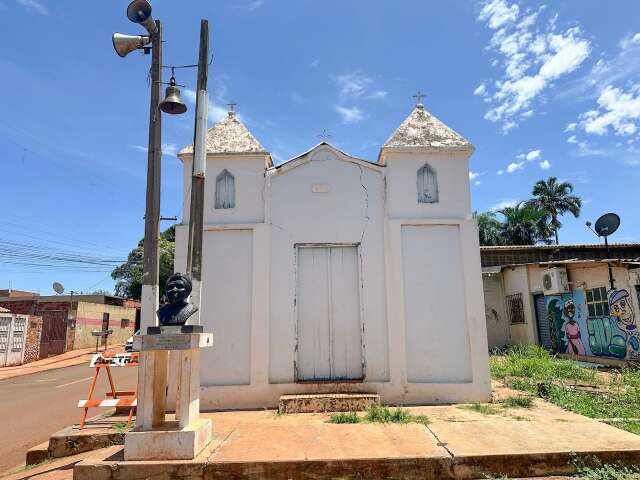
point(597, 302)
point(515, 309)
point(18, 335)
point(225, 190)
point(427, 185)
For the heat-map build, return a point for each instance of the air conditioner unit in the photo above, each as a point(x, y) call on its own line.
point(554, 281)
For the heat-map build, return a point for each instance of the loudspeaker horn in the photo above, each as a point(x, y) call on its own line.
point(139, 11)
point(125, 44)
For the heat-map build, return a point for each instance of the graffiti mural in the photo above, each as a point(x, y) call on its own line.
point(608, 332)
point(621, 310)
point(567, 322)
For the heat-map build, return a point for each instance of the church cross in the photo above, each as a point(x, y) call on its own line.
point(232, 106)
point(419, 96)
point(324, 136)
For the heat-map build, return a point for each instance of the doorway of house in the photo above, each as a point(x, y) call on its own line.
point(329, 338)
point(542, 319)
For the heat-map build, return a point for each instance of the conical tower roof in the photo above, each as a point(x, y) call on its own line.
point(422, 130)
point(229, 136)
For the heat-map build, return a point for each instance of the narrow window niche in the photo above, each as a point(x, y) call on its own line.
point(427, 185)
point(225, 190)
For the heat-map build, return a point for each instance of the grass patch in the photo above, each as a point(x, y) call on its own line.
point(519, 401)
point(344, 417)
point(531, 369)
point(593, 469)
point(121, 427)
point(379, 415)
point(483, 408)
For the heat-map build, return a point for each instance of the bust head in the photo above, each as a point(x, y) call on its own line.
point(178, 288)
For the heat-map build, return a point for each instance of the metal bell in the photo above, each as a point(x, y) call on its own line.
point(172, 103)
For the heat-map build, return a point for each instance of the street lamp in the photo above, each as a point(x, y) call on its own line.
point(139, 11)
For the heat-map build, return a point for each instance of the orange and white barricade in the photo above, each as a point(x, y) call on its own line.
point(104, 361)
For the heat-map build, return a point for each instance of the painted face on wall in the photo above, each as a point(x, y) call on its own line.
point(620, 308)
point(569, 309)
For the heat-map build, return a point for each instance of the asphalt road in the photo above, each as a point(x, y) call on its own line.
point(32, 407)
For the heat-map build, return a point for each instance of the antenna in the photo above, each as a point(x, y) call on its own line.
point(58, 288)
point(606, 225)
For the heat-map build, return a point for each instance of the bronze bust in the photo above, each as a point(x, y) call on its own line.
point(178, 310)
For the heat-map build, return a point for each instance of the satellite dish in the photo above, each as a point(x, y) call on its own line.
point(58, 288)
point(607, 224)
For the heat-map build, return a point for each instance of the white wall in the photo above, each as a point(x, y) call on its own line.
point(351, 212)
point(498, 334)
point(516, 280)
point(453, 186)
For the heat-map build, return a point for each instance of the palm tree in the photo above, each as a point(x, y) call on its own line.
point(555, 197)
point(524, 224)
point(488, 228)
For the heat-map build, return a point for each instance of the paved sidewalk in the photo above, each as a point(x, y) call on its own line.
point(67, 359)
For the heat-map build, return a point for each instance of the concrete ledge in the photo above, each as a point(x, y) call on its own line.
point(112, 467)
point(327, 402)
point(168, 442)
point(71, 440)
point(37, 454)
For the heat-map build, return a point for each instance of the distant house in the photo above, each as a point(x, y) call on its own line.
point(330, 273)
point(67, 322)
point(560, 297)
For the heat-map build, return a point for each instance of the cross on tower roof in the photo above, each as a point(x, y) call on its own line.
point(324, 135)
point(232, 107)
point(419, 96)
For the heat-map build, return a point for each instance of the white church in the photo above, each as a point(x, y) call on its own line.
point(330, 273)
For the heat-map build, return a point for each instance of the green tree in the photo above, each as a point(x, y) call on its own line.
point(557, 199)
point(488, 228)
point(524, 224)
point(128, 275)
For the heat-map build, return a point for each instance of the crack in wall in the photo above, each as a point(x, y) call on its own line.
point(366, 204)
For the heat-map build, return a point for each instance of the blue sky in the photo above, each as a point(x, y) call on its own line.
point(540, 89)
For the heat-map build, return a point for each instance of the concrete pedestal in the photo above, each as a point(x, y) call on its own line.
point(154, 438)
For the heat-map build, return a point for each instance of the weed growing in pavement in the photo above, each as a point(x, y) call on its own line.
point(592, 468)
point(121, 427)
point(483, 408)
point(379, 414)
point(342, 417)
point(519, 401)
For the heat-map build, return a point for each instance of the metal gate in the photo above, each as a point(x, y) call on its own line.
point(54, 326)
point(542, 318)
point(12, 339)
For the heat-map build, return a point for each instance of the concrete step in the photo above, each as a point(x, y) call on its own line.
point(327, 402)
point(37, 454)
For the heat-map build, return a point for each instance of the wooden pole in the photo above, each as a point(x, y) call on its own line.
point(151, 259)
point(196, 210)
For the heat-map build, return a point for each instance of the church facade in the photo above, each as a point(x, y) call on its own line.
point(330, 273)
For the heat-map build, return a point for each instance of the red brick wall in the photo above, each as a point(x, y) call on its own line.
point(32, 346)
point(24, 307)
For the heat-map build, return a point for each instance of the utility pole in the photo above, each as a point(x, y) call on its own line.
point(151, 259)
point(196, 210)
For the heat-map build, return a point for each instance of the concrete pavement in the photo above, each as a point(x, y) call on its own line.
point(33, 406)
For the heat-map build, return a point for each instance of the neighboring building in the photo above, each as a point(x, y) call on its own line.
point(559, 296)
point(330, 273)
point(19, 338)
point(67, 321)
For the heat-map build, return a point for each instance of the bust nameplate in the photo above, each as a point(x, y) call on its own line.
point(172, 341)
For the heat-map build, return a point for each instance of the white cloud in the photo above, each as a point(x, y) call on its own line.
point(254, 5)
point(617, 110)
point(476, 183)
point(500, 172)
point(533, 155)
point(350, 115)
point(515, 166)
point(498, 12)
point(572, 139)
point(353, 85)
point(377, 95)
point(473, 175)
point(315, 63)
point(532, 54)
point(571, 127)
point(215, 113)
point(170, 149)
point(545, 165)
point(139, 147)
point(35, 6)
point(481, 90)
point(507, 203)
